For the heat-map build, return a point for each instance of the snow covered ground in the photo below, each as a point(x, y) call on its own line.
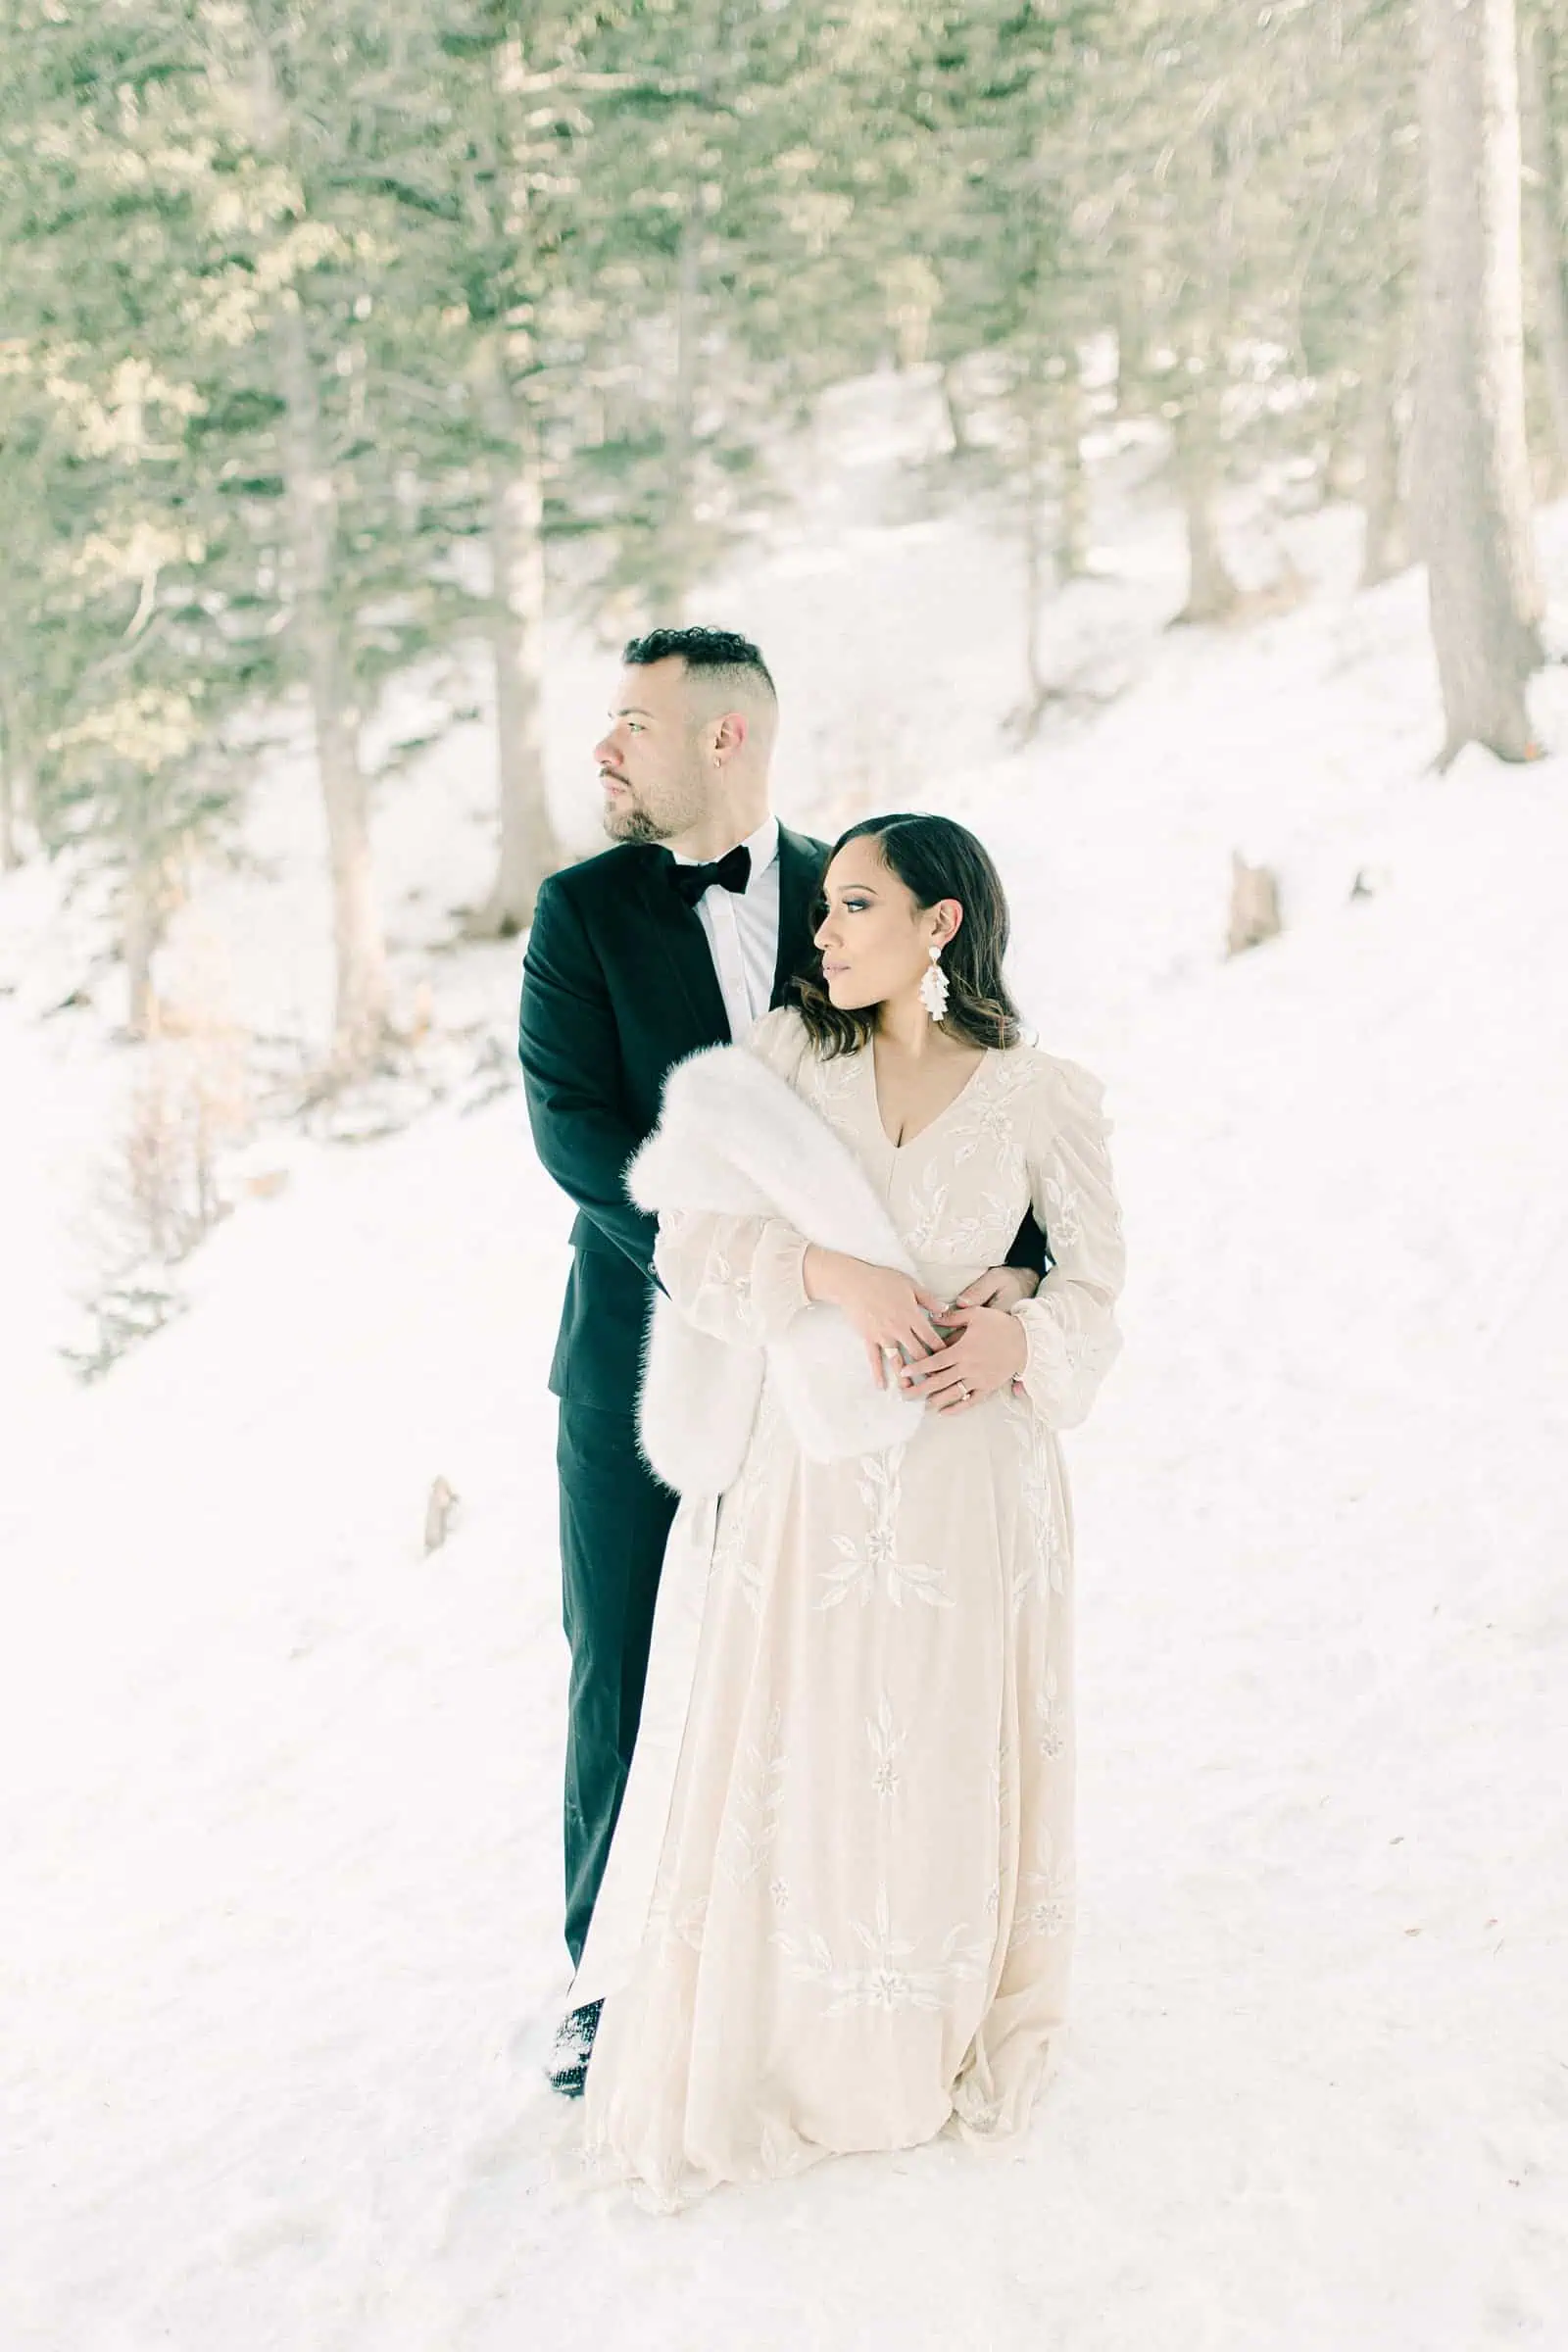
point(279, 1792)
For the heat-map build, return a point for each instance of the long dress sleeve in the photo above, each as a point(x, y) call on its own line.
point(1070, 1325)
point(740, 1279)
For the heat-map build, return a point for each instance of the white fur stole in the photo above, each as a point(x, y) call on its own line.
point(734, 1139)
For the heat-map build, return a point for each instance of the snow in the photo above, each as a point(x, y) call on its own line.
point(278, 1793)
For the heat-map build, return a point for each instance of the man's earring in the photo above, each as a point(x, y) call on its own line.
point(934, 985)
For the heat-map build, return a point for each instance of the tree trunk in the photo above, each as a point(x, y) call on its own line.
point(1034, 549)
point(15, 782)
point(673, 578)
point(1474, 466)
point(360, 1013)
point(141, 934)
point(1255, 906)
point(1212, 593)
point(1202, 337)
point(1072, 533)
point(1543, 221)
point(361, 1016)
point(957, 426)
point(1342, 457)
point(1385, 548)
point(528, 848)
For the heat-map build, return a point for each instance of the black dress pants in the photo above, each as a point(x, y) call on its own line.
point(615, 1517)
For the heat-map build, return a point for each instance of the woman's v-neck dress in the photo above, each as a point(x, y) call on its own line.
point(838, 1907)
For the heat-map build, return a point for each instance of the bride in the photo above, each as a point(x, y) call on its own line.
point(839, 1906)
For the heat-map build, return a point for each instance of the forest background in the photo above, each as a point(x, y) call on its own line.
point(343, 344)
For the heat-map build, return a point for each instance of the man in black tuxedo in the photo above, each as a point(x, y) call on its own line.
point(679, 937)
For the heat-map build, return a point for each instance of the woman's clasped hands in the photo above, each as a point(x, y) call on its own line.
point(950, 1355)
point(984, 1351)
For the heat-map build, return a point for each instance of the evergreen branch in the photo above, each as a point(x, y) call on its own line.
point(403, 191)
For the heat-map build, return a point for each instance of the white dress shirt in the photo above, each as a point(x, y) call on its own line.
point(742, 928)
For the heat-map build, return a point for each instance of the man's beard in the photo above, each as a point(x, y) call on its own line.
point(630, 820)
point(632, 823)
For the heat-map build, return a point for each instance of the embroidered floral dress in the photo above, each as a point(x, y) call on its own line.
point(839, 1906)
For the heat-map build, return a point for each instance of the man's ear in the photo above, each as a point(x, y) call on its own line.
point(729, 736)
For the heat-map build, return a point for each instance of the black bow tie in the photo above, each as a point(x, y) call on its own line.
point(731, 873)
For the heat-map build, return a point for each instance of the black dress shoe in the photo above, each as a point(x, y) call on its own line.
point(567, 2069)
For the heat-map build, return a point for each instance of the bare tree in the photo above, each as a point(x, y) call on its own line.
point(1474, 468)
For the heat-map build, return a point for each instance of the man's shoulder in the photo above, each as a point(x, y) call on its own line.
point(805, 845)
point(603, 878)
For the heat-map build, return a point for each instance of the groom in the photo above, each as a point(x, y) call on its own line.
point(679, 937)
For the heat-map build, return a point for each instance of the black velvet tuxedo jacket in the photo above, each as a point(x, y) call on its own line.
point(619, 984)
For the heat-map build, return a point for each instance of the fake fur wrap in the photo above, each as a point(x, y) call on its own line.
point(735, 1140)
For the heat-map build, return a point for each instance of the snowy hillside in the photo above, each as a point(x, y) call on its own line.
point(278, 1805)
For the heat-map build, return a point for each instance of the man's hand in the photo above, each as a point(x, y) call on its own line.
point(1000, 1285)
point(988, 1354)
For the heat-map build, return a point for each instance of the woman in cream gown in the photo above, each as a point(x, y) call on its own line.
point(861, 1915)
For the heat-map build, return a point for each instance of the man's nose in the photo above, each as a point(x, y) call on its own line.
point(604, 751)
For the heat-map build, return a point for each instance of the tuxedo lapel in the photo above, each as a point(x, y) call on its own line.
point(799, 872)
point(680, 944)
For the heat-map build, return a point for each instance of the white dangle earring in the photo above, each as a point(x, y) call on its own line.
point(934, 985)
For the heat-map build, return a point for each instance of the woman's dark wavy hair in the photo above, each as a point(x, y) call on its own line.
point(934, 859)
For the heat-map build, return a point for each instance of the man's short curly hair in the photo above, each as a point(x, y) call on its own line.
point(723, 652)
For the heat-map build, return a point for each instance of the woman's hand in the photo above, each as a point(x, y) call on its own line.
point(988, 1354)
point(889, 1310)
point(1000, 1285)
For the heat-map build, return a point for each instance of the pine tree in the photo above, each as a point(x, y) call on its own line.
point(124, 654)
point(707, 280)
point(483, 173)
point(1356, 157)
